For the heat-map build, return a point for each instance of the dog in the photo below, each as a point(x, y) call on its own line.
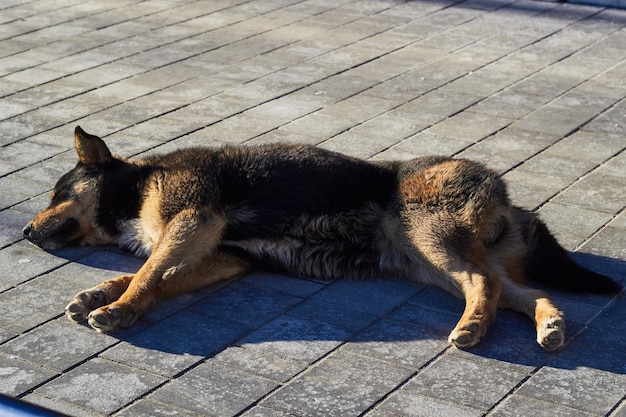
point(201, 215)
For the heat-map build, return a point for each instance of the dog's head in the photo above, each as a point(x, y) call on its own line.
point(71, 217)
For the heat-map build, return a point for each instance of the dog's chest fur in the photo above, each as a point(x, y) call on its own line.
point(138, 239)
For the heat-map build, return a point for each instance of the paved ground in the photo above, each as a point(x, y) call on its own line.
point(534, 89)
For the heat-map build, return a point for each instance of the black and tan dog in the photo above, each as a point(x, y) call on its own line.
point(201, 215)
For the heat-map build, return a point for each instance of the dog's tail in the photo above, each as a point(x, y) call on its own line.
point(549, 263)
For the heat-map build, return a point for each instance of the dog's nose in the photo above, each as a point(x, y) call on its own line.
point(27, 230)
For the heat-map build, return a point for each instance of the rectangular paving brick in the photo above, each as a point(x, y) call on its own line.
point(299, 339)
point(211, 390)
point(406, 403)
point(464, 382)
point(100, 385)
point(586, 389)
point(322, 391)
point(59, 344)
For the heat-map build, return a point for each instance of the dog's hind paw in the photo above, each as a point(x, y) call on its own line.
point(466, 336)
point(84, 303)
point(551, 334)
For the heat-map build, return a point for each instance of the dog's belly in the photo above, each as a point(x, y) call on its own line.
point(326, 260)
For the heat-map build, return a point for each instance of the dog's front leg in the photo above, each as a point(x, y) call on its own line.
point(186, 240)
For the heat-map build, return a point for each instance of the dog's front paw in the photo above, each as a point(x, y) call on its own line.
point(110, 318)
point(467, 335)
point(84, 303)
point(551, 333)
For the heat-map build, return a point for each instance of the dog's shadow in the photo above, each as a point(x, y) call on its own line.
point(302, 320)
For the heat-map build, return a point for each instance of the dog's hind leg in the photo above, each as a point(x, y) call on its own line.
point(467, 277)
point(537, 305)
point(481, 289)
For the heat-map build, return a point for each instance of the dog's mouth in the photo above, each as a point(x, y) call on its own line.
point(52, 235)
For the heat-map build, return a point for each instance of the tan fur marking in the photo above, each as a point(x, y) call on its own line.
point(151, 223)
point(425, 187)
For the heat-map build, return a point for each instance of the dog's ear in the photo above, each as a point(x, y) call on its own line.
point(91, 149)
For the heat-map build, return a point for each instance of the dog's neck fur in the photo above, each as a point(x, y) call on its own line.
point(122, 195)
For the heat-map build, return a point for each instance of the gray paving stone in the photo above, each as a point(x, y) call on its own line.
point(148, 408)
point(403, 344)
point(318, 125)
point(358, 145)
point(19, 376)
point(58, 344)
point(211, 390)
point(29, 152)
point(594, 192)
point(619, 222)
point(358, 108)
point(175, 343)
point(577, 311)
point(60, 406)
point(342, 86)
point(620, 412)
point(425, 143)
point(295, 338)
point(244, 304)
point(609, 242)
point(6, 334)
point(517, 405)
point(614, 166)
point(22, 186)
point(252, 362)
point(573, 220)
point(500, 162)
point(354, 305)
point(465, 382)
point(322, 391)
point(555, 119)
point(437, 299)
point(483, 81)
point(35, 302)
point(585, 389)
point(388, 126)
point(531, 189)
point(586, 146)
point(600, 345)
point(508, 103)
point(7, 167)
point(470, 126)
point(22, 261)
point(288, 285)
point(100, 385)
point(413, 405)
point(434, 106)
point(422, 316)
point(512, 145)
point(608, 122)
point(260, 411)
point(11, 224)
